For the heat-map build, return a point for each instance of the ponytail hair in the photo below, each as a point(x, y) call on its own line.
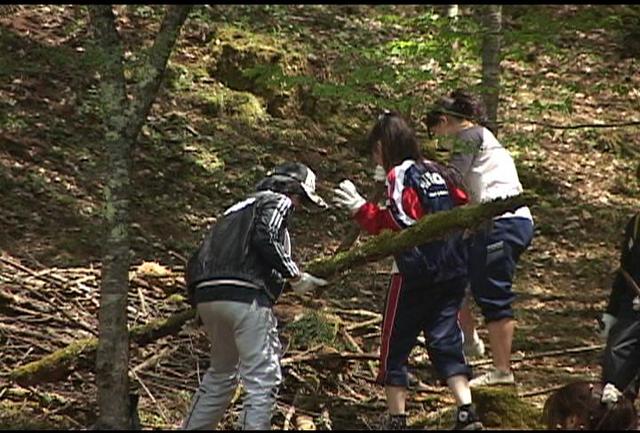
point(460, 104)
point(397, 139)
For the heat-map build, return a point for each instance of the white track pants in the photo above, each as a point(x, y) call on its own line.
point(244, 341)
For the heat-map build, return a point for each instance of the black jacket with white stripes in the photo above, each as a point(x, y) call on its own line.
point(246, 254)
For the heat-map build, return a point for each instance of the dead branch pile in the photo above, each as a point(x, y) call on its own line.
point(45, 310)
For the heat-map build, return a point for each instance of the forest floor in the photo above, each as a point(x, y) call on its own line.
point(212, 135)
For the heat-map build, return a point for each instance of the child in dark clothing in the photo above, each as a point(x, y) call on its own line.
point(621, 321)
point(428, 282)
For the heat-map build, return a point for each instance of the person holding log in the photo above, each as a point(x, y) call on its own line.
point(233, 279)
point(428, 282)
point(489, 172)
point(620, 324)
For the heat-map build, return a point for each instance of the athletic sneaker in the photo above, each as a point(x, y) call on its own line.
point(493, 377)
point(467, 419)
point(473, 347)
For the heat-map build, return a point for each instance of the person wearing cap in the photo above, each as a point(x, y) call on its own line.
point(233, 279)
point(427, 282)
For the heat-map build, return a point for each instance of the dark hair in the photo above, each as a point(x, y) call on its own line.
point(582, 400)
point(397, 139)
point(460, 104)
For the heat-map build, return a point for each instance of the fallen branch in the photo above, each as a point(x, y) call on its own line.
point(154, 359)
point(57, 365)
point(429, 228)
point(559, 352)
point(541, 391)
point(80, 354)
point(358, 349)
point(364, 324)
point(315, 357)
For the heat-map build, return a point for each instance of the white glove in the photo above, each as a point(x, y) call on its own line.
point(347, 196)
point(307, 282)
point(610, 394)
point(379, 175)
point(607, 321)
point(636, 303)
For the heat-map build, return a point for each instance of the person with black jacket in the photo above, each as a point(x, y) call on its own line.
point(233, 279)
point(621, 320)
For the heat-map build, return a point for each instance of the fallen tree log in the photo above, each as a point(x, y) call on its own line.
point(430, 227)
point(59, 364)
point(80, 354)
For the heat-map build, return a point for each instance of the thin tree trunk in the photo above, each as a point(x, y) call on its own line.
point(122, 121)
point(112, 358)
point(492, 23)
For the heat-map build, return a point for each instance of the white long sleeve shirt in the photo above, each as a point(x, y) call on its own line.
point(487, 167)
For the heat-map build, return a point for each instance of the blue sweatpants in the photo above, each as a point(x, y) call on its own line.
point(493, 256)
point(432, 310)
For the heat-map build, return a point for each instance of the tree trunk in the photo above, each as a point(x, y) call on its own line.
point(492, 24)
point(122, 121)
point(113, 345)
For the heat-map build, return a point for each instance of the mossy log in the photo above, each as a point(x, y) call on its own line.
point(500, 407)
point(80, 354)
point(430, 227)
point(59, 364)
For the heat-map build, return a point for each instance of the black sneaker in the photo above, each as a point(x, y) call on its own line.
point(467, 419)
point(394, 422)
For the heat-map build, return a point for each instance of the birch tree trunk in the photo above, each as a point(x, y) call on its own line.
point(123, 120)
point(492, 24)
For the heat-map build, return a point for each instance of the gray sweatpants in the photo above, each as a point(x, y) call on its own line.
point(244, 341)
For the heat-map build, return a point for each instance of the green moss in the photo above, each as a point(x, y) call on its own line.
point(498, 408)
point(501, 407)
point(221, 102)
point(54, 364)
point(25, 415)
point(313, 328)
point(176, 298)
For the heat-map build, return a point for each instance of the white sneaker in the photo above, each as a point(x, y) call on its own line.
point(493, 377)
point(473, 347)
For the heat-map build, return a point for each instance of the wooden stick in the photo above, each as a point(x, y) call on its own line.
point(358, 349)
point(541, 391)
point(559, 352)
point(358, 312)
point(154, 359)
point(364, 324)
point(160, 406)
point(327, 356)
